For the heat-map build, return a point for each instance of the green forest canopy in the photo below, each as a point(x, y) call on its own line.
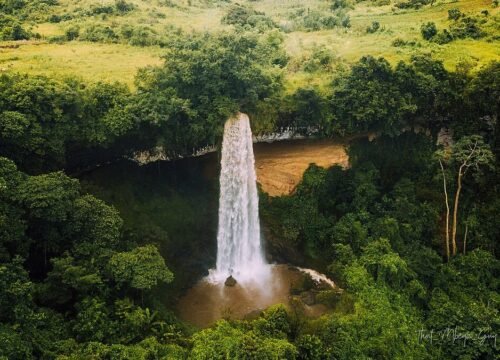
point(76, 284)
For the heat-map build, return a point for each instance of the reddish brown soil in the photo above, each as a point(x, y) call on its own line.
point(280, 165)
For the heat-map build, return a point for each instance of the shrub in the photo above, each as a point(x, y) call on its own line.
point(11, 29)
point(454, 14)
point(315, 20)
point(144, 36)
point(54, 18)
point(413, 4)
point(467, 27)
point(328, 297)
point(341, 4)
point(443, 37)
point(320, 59)
point(9, 6)
point(101, 9)
point(123, 7)
point(398, 42)
point(310, 347)
point(428, 30)
point(238, 15)
point(245, 16)
point(261, 22)
point(72, 33)
point(57, 39)
point(373, 27)
point(99, 33)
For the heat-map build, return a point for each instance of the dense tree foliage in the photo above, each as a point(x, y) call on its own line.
point(204, 81)
point(66, 271)
point(377, 227)
point(79, 282)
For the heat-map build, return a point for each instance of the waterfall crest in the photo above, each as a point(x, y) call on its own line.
point(239, 247)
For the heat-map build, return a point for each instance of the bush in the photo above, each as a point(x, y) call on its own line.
point(373, 27)
point(55, 19)
point(320, 59)
point(99, 33)
point(454, 14)
point(398, 42)
point(72, 33)
point(144, 36)
point(57, 39)
point(11, 29)
point(341, 4)
point(315, 20)
point(428, 30)
point(238, 15)
point(123, 7)
point(9, 6)
point(101, 9)
point(328, 297)
point(310, 347)
point(467, 27)
point(412, 4)
point(443, 37)
point(245, 16)
point(141, 35)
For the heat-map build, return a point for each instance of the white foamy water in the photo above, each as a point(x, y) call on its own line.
point(317, 277)
point(239, 246)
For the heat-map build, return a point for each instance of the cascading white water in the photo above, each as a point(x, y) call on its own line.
point(239, 248)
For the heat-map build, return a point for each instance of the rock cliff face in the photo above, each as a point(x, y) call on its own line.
point(279, 165)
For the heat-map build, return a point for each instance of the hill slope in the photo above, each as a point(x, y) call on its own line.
point(112, 39)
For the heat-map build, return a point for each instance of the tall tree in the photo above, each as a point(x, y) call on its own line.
point(469, 154)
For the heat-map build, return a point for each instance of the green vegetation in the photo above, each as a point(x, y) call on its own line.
point(80, 30)
point(376, 227)
point(409, 231)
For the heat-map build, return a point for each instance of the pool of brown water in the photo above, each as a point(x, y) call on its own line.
point(207, 302)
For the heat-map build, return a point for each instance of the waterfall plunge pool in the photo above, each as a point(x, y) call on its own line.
point(208, 301)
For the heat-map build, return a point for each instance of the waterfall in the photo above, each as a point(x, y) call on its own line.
point(239, 246)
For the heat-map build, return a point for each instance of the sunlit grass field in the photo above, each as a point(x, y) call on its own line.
point(88, 61)
point(117, 62)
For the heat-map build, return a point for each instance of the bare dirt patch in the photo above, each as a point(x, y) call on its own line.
point(280, 165)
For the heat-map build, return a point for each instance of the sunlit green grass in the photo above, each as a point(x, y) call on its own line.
point(349, 45)
point(89, 61)
point(113, 62)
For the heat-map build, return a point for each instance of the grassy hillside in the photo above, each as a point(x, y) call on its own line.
point(141, 29)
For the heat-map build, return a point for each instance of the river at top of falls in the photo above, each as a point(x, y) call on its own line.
point(239, 244)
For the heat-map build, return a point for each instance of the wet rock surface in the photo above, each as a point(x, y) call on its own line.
point(230, 281)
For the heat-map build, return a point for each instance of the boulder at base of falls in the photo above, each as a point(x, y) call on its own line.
point(230, 281)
